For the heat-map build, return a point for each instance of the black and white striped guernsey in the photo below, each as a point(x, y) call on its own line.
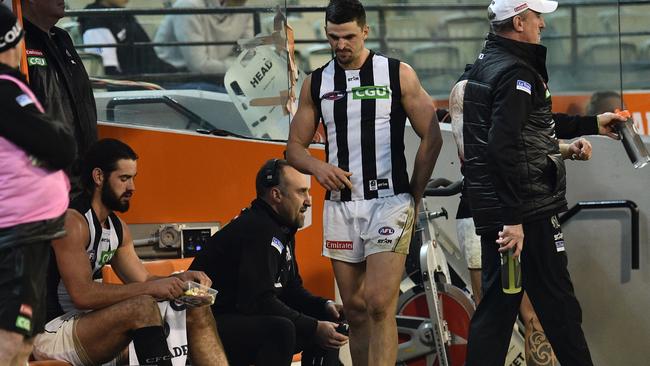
point(364, 122)
point(101, 247)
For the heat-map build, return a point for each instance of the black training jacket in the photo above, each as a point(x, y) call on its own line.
point(28, 128)
point(513, 169)
point(252, 263)
point(60, 82)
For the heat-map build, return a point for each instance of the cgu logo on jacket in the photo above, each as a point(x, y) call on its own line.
point(371, 92)
point(36, 61)
point(35, 58)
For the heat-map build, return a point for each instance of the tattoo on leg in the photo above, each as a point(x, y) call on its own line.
point(538, 349)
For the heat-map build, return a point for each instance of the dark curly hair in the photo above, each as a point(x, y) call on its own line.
point(103, 154)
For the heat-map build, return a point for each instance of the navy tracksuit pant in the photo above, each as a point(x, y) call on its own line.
point(546, 279)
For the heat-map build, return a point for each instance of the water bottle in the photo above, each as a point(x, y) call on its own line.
point(632, 142)
point(510, 273)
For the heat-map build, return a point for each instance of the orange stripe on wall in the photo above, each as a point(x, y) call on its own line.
point(637, 102)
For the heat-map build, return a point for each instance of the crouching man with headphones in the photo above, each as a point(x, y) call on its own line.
point(264, 314)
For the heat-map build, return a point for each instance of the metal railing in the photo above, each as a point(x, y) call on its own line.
point(383, 37)
point(381, 10)
point(634, 219)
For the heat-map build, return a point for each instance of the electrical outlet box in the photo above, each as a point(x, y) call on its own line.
point(193, 239)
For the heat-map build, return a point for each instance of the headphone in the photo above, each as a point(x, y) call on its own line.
point(270, 175)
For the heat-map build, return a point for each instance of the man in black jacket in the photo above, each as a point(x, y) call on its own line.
point(264, 314)
point(515, 176)
point(58, 77)
point(33, 198)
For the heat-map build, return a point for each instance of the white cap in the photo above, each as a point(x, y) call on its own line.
point(504, 9)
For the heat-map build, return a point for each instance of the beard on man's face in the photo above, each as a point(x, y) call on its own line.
point(112, 201)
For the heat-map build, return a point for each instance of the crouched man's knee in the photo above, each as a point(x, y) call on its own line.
point(282, 334)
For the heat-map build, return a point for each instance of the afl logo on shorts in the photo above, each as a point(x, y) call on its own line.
point(386, 230)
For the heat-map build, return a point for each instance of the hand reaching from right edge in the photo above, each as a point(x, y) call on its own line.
point(606, 122)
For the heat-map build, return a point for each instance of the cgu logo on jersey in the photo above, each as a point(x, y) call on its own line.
point(106, 256)
point(23, 323)
point(371, 92)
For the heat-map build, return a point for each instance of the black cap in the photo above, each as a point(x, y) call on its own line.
point(10, 30)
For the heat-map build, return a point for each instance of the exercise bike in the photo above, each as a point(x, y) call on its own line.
point(433, 314)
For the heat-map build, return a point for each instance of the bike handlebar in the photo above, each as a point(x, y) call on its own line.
point(441, 187)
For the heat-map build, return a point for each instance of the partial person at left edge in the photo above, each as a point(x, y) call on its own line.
point(33, 198)
point(58, 77)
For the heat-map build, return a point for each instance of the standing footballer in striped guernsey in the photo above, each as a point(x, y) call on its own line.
point(364, 100)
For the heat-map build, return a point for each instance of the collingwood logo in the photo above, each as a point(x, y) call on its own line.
point(11, 35)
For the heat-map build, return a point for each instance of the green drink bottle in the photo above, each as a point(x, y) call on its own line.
point(510, 273)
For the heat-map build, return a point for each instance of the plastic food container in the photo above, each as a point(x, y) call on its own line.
point(197, 295)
